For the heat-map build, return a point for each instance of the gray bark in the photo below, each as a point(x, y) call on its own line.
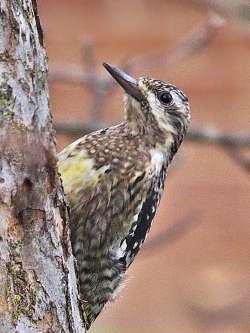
point(38, 289)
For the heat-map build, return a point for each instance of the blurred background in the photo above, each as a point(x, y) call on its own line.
point(193, 274)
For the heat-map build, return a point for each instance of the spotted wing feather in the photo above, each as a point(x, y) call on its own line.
point(143, 221)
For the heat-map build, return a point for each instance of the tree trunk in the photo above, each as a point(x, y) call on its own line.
point(38, 289)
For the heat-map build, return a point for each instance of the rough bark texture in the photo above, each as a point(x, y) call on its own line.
point(38, 291)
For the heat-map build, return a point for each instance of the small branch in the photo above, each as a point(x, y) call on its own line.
point(227, 8)
point(77, 129)
point(98, 86)
point(211, 135)
point(237, 156)
point(171, 234)
point(207, 135)
point(193, 42)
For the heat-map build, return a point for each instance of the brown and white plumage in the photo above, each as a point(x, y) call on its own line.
point(113, 179)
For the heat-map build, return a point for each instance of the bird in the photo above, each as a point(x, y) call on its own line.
point(113, 180)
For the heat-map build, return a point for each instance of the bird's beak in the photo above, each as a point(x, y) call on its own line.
point(129, 84)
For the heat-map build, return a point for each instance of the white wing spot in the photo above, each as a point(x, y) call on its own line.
point(134, 227)
point(157, 159)
point(122, 249)
point(135, 245)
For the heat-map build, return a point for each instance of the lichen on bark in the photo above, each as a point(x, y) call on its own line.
point(38, 288)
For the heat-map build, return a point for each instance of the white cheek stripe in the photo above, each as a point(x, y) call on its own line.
point(157, 159)
point(160, 114)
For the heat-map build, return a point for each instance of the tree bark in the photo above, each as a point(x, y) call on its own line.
point(38, 288)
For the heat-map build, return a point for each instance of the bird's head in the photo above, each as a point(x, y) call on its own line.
point(153, 107)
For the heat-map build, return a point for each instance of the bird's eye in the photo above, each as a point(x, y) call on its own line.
point(165, 97)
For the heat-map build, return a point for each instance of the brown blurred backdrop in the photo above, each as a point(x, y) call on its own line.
point(200, 282)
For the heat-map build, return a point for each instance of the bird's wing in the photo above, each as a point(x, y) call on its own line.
point(77, 168)
point(96, 192)
point(142, 222)
point(82, 177)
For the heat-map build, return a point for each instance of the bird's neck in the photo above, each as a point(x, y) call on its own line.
point(144, 125)
point(154, 141)
point(134, 117)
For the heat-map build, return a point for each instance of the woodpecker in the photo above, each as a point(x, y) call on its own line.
point(113, 180)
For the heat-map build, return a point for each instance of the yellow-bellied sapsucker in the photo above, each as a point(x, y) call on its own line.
point(113, 179)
